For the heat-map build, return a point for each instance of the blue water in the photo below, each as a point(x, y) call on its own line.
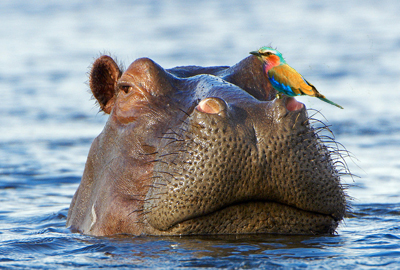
point(349, 50)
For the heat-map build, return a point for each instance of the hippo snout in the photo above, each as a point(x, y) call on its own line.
point(248, 156)
point(203, 150)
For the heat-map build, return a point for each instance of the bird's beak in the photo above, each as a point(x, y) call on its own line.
point(255, 53)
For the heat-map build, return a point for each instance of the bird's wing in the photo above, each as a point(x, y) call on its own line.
point(288, 76)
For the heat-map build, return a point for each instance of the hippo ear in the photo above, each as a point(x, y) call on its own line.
point(103, 80)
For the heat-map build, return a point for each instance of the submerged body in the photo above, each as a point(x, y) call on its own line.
point(194, 150)
point(284, 78)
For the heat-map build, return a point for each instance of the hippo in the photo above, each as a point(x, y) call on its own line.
point(203, 150)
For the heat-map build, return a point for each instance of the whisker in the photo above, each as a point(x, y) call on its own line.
point(150, 186)
point(184, 111)
point(172, 133)
point(317, 112)
point(134, 211)
point(144, 213)
point(169, 154)
point(157, 160)
point(295, 121)
point(170, 174)
point(168, 138)
point(174, 142)
point(148, 154)
point(161, 184)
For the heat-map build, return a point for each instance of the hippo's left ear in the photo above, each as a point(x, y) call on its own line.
point(103, 80)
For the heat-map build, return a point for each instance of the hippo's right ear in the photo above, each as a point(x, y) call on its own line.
point(103, 80)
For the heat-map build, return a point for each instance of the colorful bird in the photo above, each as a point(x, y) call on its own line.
point(285, 79)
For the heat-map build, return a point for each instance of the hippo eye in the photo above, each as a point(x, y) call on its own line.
point(125, 88)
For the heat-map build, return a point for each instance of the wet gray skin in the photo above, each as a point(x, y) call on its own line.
point(195, 150)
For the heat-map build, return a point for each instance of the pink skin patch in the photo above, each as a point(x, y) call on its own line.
point(293, 105)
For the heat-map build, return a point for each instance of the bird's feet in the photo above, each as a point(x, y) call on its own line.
point(279, 95)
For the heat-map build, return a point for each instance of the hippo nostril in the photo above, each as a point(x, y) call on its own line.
point(211, 105)
point(293, 105)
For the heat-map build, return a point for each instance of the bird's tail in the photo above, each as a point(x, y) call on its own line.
point(322, 97)
point(328, 101)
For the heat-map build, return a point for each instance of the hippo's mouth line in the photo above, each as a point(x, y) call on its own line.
point(238, 211)
point(266, 201)
point(256, 217)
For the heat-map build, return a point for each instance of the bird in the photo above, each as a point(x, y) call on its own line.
point(285, 79)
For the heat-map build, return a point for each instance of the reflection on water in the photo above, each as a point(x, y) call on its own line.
point(347, 50)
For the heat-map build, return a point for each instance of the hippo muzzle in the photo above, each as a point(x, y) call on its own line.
point(195, 150)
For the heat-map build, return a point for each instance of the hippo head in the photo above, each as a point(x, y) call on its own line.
point(195, 150)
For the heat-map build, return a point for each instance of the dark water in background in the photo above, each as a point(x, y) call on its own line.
point(349, 49)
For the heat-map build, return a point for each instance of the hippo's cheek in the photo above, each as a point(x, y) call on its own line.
point(130, 106)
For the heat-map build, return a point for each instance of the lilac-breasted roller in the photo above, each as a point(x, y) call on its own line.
point(285, 79)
